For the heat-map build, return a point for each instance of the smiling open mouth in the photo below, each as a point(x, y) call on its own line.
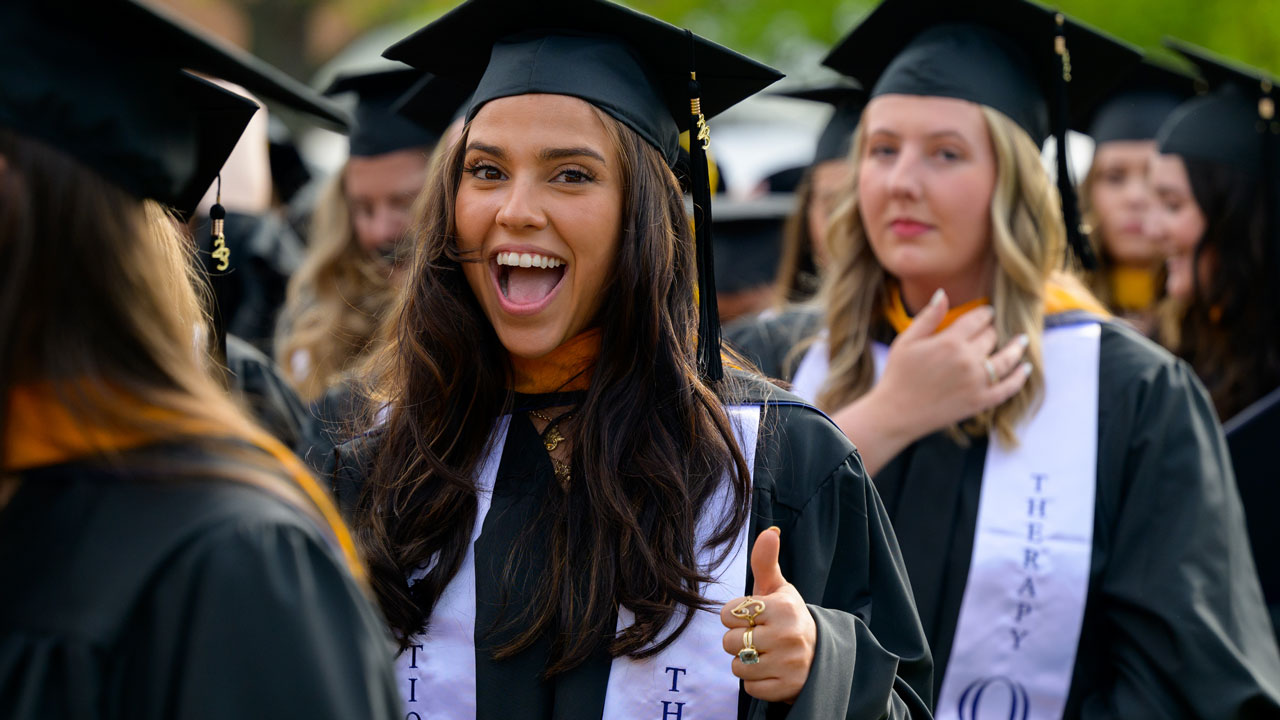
point(527, 279)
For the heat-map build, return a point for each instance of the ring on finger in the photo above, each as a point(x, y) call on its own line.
point(992, 378)
point(748, 654)
point(748, 610)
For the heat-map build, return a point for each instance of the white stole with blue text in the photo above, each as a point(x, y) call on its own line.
point(1015, 644)
point(689, 680)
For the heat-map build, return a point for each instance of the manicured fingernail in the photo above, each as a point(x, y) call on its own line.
point(1026, 368)
point(938, 296)
point(1024, 340)
point(776, 529)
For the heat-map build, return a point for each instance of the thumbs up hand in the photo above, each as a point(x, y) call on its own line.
point(783, 634)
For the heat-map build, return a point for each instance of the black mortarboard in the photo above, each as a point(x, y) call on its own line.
point(1014, 56)
point(104, 82)
point(848, 99)
point(1135, 109)
point(378, 128)
point(634, 67)
point(434, 102)
point(748, 240)
point(1233, 123)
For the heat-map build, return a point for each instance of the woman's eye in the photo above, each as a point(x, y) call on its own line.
point(574, 177)
point(482, 171)
point(881, 150)
point(948, 154)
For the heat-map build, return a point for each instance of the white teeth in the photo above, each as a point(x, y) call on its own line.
point(528, 260)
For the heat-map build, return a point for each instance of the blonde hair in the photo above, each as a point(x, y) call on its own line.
point(1028, 242)
point(335, 301)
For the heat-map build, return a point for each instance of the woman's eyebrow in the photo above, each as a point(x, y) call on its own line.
point(487, 149)
point(561, 153)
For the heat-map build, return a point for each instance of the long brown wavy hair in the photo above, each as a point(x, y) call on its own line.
point(334, 302)
point(100, 300)
point(651, 439)
point(1229, 331)
point(1027, 240)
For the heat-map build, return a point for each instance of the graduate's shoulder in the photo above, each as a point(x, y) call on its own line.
point(801, 452)
point(768, 339)
point(121, 533)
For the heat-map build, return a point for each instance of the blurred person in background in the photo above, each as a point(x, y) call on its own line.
point(358, 229)
point(1217, 183)
point(1116, 195)
point(161, 555)
point(803, 245)
point(1215, 180)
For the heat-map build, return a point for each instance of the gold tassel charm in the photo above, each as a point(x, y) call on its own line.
point(217, 225)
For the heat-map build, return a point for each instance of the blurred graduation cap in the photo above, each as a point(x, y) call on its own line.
point(1135, 109)
point(1251, 436)
point(379, 126)
point(434, 102)
point(748, 240)
point(848, 100)
point(1014, 56)
point(105, 82)
point(1234, 123)
point(655, 78)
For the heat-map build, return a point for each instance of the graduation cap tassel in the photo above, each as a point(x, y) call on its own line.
point(708, 312)
point(221, 253)
point(1066, 189)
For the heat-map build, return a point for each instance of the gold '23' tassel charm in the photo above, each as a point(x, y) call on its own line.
point(217, 223)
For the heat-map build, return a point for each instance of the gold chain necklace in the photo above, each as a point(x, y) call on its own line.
point(551, 439)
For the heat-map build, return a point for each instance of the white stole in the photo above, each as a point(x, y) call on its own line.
point(1019, 627)
point(689, 680)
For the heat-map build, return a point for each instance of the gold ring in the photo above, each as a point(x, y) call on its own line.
point(748, 610)
point(992, 378)
point(748, 654)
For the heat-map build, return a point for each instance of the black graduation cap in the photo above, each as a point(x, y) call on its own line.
point(434, 102)
point(105, 82)
point(379, 128)
point(1135, 109)
point(1027, 61)
point(1234, 123)
point(848, 99)
point(653, 77)
point(748, 240)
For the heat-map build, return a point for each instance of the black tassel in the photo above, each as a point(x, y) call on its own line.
point(1066, 189)
point(709, 363)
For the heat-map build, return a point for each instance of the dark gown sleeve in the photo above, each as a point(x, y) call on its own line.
point(256, 619)
point(1184, 624)
point(839, 550)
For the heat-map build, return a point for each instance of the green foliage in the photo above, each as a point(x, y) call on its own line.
point(793, 34)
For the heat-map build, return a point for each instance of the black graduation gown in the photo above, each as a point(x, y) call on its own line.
point(257, 382)
point(1174, 624)
point(154, 598)
point(837, 549)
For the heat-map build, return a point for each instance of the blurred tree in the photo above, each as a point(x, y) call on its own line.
point(298, 35)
